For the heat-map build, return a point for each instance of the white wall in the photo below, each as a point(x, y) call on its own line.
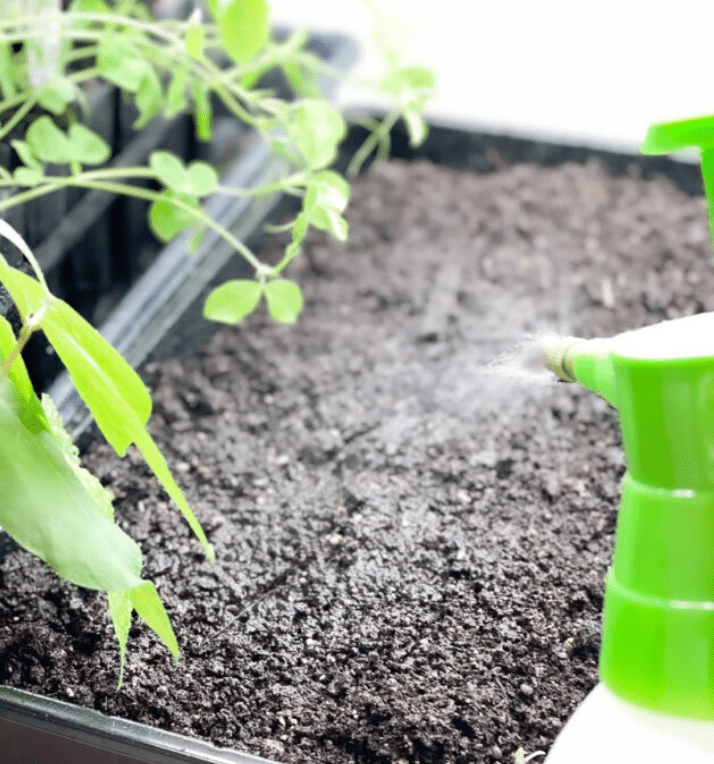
point(594, 71)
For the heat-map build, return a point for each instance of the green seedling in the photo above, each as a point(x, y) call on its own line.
point(48, 503)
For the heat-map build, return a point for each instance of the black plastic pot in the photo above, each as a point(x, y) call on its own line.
point(161, 309)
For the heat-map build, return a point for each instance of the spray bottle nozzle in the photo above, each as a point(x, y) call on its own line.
point(558, 358)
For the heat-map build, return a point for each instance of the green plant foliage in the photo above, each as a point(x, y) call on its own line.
point(284, 300)
point(48, 143)
point(198, 179)
point(231, 302)
point(48, 502)
point(167, 220)
point(244, 28)
point(316, 129)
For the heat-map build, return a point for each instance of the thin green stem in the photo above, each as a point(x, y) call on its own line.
point(13, 355)
point(18, 116)
point(372, 141)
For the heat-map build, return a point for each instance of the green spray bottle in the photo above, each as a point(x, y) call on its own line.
point(655, 701)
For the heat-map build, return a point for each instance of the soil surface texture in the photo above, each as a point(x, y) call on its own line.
point(412, 540)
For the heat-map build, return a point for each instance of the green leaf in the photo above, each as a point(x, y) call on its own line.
point(30, 411)
point(195, 41)
point(112, 390)
point(317, 129)
point(202, 178)
point(47, 510)
point(244, 28)
point(198, 179)
point(416, 126)
point(120, 62)
point(56, 94)
point(86, 146)
point(301, 80)
point(284, 300)
point(7, 71)
point(326, 198)
point(169, 169)
point(120, 610)
point(202, 111)
point(167, 220)
point(232, 301)
point(176, 93)
point(147, 603)
point(28, 176)
point(47, 142)
point(26, 154)
point(149, 97)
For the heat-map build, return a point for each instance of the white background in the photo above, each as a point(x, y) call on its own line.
point(593, 72)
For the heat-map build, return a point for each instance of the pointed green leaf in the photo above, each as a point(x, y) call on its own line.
point(47, 510)
point(167, 220)
point(284, 300)
point(244, 28)
point(112, 390)
point(147, 603)
point(232, 301)
point(154, 458)
point(86, 146)
point(317, 129)
point(120, 610)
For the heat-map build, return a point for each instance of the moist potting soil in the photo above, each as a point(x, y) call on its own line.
point(411, 540)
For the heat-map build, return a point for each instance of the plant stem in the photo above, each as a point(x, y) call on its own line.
point(25, 333)
point(373, 140)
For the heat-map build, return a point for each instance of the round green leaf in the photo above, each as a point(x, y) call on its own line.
point(317, 129)
point(56, 94)
point(244, 28)
point(169, 169)
point(233, 301)
point(284, 300)
point(86, 146)
point(167, 220)
point(47, 142)
point(202, 179)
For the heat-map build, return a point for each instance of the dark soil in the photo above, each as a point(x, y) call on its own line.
point(411, 546)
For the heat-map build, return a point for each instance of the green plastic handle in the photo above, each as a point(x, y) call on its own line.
point(665, 137)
